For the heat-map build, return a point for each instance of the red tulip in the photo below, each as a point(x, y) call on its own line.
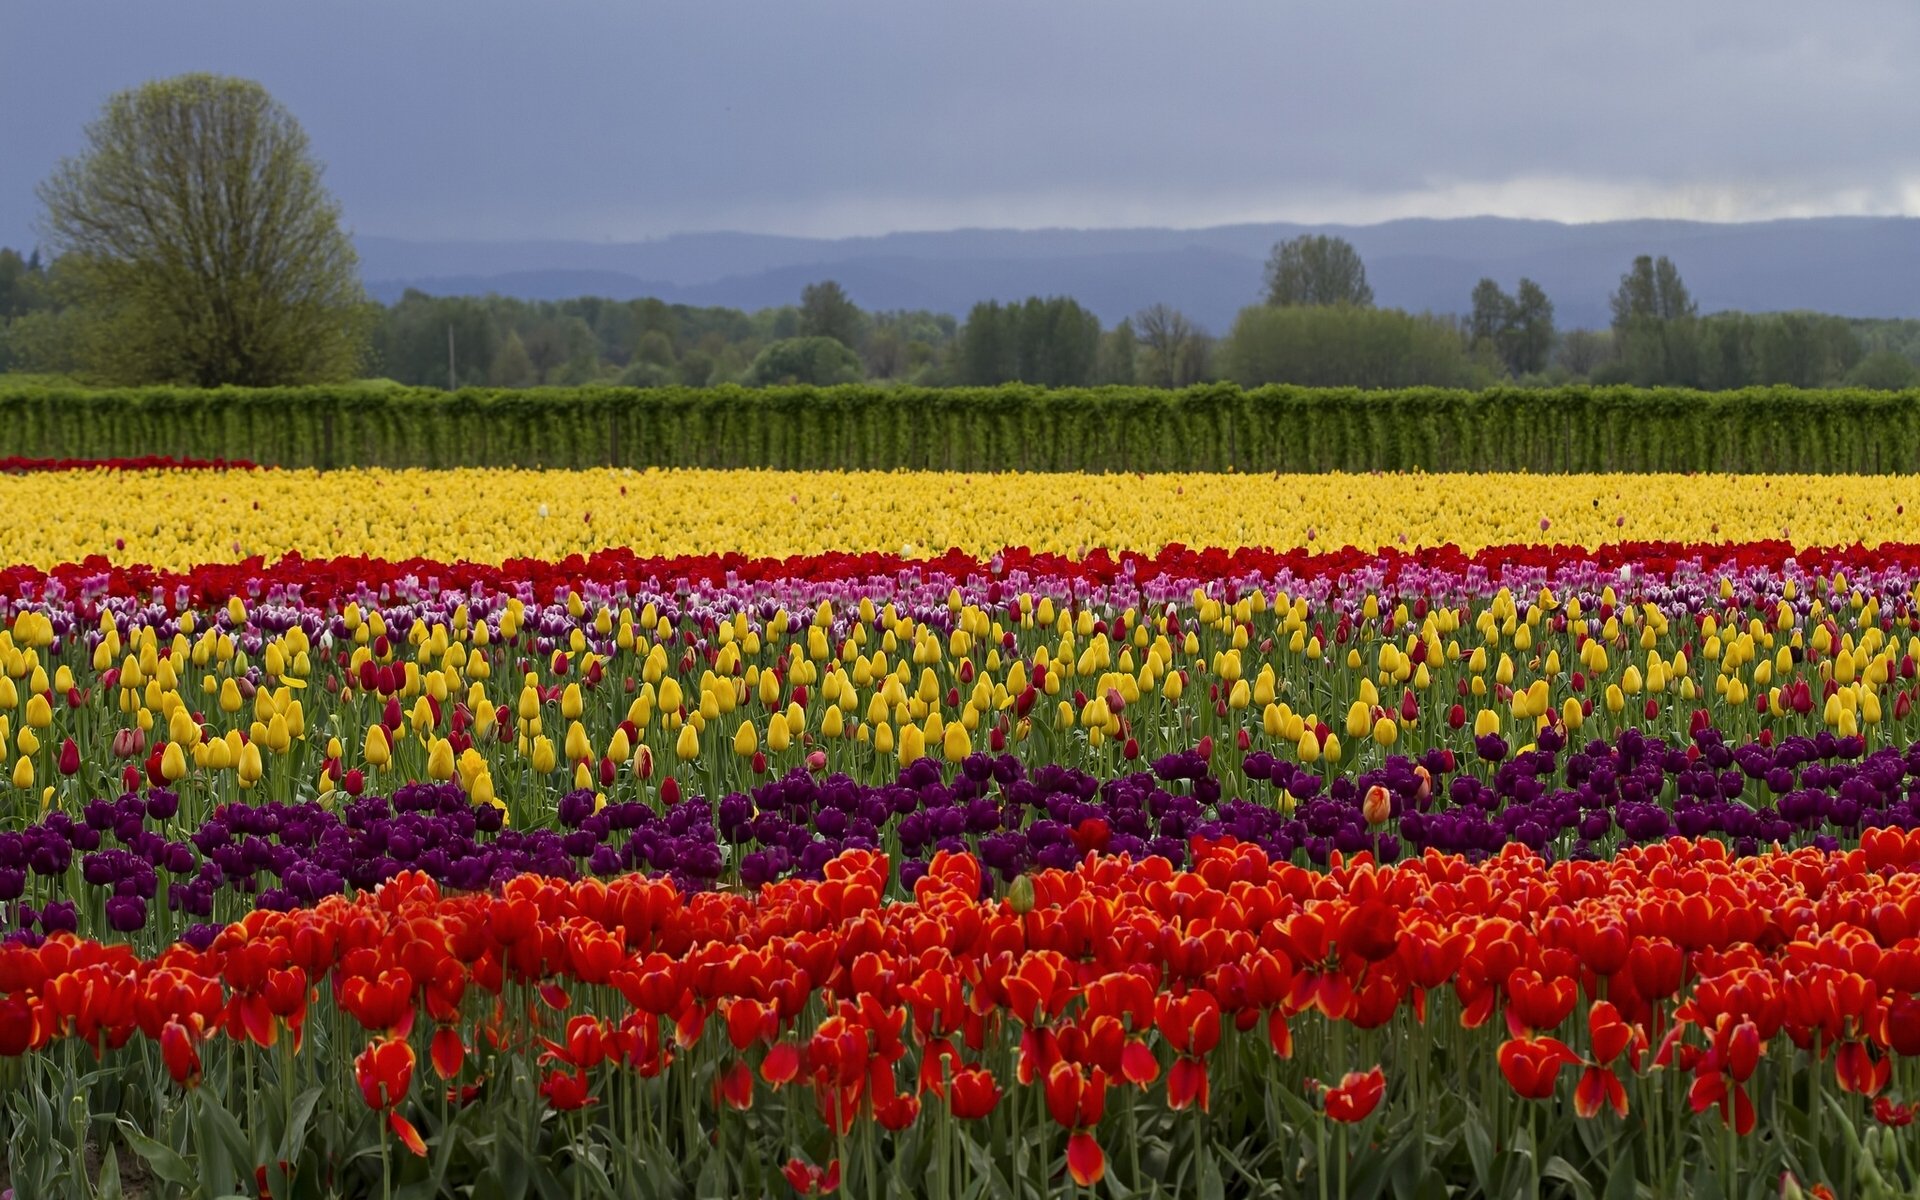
point(1608, 1033)
point(1532, 1065)
point(69, 757)
point(810, 1180)
point(1599, 1086)
point(1536, 1003)
point(408, 1135)
point(568, 1091)
point(1857, 1072)
point(734, 1088)
point(1074, 1099)
point(384, 1071)
point(447, 1052)
point(1187, 1083)
point(179, 1053)
point(1357, 1095)
point(781, 1065)
point(1086, 1162)
point(1372, 931)
point(974, 1094)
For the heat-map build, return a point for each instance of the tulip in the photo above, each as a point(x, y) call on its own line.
point(1378, 806)
point(809, 1180)
point(181, 1056)
point(384, 1071)
point(1356, 1096)
point(1532, 1065)
point(974, 1094)
point(377, 751)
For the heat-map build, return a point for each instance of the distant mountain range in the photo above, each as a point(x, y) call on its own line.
point(1854, 266)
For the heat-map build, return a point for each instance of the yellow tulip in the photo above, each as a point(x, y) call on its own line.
point(377, 751)
point(440, 764)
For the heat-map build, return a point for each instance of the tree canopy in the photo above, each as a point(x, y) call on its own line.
point(199, 245)
point(1315, 270)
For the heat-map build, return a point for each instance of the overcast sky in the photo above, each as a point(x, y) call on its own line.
point(617, 119)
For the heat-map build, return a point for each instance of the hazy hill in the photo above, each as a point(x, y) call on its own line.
point(1854, 266)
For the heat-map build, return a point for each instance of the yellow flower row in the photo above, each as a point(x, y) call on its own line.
point(177, 519)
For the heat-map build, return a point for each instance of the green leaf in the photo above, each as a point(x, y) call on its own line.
point(295, 1136)
point(990, 1182)
point(1211, 1186)
point(1621, 1182)
point(161, 1160)
point(225, 1128)
point(107, 1187)
point(1564, 1171)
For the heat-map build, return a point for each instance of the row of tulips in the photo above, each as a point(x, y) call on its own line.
point(135, 867)
point(520, 696)
point(1689, 1021)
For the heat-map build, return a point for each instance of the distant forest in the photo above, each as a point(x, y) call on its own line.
point(1318, 326)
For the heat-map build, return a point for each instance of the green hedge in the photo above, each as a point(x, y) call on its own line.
point(1206, 428)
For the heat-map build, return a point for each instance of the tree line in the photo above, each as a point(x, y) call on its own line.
point(192, 243)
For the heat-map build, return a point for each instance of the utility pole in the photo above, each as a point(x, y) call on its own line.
point(450, 376)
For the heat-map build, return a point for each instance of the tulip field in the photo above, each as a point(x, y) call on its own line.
point(677, 833)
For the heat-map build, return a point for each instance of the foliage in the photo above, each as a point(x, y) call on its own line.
point(826, 311)
point(1518, 329)
point(816, 361)
point(1884, 370)
point(1317, 270)
point(1355, 347)
point(1052, 343)
point(200, 245)
point(1173, 352)
point(1208, 428)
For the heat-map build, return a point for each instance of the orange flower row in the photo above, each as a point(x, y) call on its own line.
point(1115, 975)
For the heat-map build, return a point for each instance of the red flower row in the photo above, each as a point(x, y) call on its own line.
point(146, 462)
point(1114, 974)
point(325, 580)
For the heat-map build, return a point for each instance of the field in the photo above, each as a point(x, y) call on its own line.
point(495, 832)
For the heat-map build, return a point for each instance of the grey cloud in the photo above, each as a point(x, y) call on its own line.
point(612, 119)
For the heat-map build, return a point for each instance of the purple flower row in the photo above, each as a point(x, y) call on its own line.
point(125, 856)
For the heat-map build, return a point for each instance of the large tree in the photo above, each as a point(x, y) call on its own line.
point(1317, 270)
point(826, 311)
point(200, 243)
point(1174, 348)
point(1651, 291)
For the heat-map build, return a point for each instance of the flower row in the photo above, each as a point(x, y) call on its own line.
point(138, 866)
point(520, 696)
point(176, 518)
point(1069, 1028)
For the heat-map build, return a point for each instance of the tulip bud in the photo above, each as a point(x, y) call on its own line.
point(440, 760)
point(377, 751)
point(1378, 805)
point(1020, 895)
point(69, 757)
point(670, 791)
